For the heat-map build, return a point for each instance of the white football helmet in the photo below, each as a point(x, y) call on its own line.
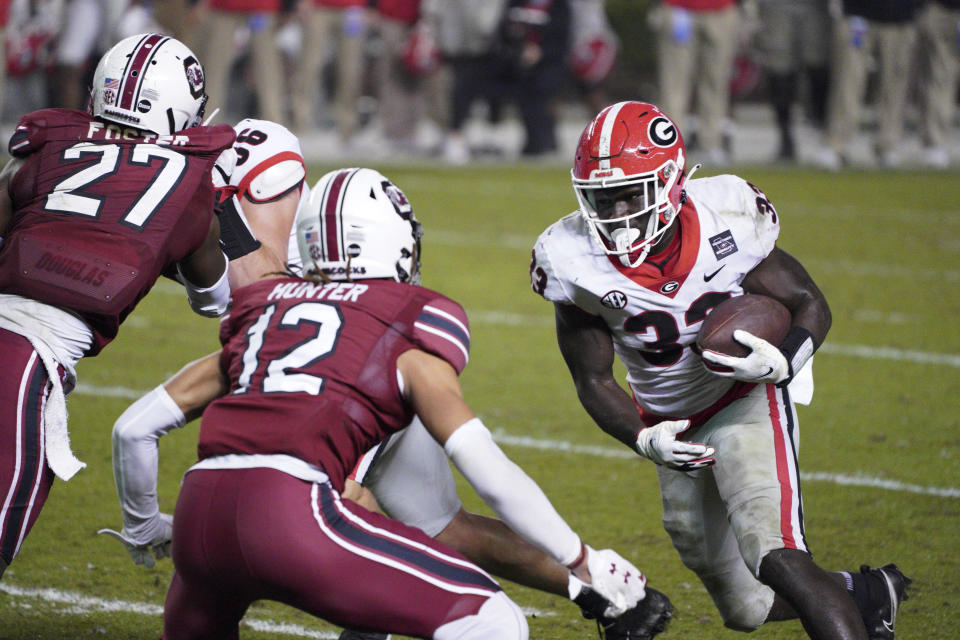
point(356, 224)
point(149, 81)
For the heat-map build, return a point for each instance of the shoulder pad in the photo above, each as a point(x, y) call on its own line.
point(441, 328)
point(269, 160)
point(275, 181)
point(21, 144)
point(563, 241)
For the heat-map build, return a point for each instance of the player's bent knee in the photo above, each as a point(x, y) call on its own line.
point(747, 618)
point(755, 547)
point(498, 619)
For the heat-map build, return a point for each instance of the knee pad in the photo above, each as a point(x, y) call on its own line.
point(748, 616)
point(743, 601)
point(498, 619)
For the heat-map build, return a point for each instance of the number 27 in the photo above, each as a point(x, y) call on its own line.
point(68, 195)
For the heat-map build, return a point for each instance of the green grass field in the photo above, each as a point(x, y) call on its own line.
point(880, 445)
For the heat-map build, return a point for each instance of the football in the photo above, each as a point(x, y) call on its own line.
point(762, 316)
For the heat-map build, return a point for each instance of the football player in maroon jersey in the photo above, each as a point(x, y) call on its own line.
point(94, 207)
point(320, 368)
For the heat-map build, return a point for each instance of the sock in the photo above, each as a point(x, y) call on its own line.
point(866, 589)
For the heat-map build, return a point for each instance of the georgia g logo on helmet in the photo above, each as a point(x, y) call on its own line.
point(662, 132)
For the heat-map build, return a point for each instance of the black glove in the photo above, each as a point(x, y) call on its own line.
point(644, 621)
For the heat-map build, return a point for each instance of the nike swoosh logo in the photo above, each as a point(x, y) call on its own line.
point(708, 278)
point(894, 604)
point(767, 372)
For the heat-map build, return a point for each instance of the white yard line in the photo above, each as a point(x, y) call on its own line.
point(809, 476)
point(81, 604)
point(610, 452)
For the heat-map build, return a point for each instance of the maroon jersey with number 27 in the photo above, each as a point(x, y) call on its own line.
point(313, 367)
point(101, 210)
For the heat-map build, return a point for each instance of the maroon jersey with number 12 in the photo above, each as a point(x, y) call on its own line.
point(101, 210)
point(313, 367)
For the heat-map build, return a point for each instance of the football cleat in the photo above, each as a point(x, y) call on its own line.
point(881, 621)
point(646, 620)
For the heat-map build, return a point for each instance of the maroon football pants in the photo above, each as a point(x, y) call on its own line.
point(242, 535)
point(25, 478)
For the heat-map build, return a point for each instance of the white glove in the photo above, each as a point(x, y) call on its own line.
point(764, 363)
point(614, 578)
point(659, 443)
point(145, 552)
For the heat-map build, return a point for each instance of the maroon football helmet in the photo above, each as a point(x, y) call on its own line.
point(627, 144)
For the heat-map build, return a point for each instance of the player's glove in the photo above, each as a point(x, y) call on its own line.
point(616, 585)
point(144, 552)
point(660, 444)
point(764, 363)
point(649, 618)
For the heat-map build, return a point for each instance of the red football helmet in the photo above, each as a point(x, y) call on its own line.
point(630, 143)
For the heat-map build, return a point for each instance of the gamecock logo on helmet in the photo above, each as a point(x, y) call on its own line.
point(397, 198)
point(194, 74)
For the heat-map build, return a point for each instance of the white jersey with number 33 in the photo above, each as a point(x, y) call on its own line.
point(726, 227)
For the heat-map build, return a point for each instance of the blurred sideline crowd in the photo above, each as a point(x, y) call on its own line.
point(404, 77)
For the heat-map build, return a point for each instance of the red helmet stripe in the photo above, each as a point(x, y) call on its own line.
point(332, 221)
point(133, 72)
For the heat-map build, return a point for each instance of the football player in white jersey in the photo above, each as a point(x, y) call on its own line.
point(632, 274)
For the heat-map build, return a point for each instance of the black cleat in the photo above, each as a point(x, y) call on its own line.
point(646, 620)
point(881, 621)
point(348, 634)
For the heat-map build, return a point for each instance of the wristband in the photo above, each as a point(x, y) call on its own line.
point(797, 348)
point(580, 556)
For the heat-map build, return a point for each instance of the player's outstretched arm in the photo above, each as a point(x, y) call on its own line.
point(136, 456)
point(432, 387)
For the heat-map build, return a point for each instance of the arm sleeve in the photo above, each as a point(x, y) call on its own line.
point(510, 492)
point(135, 456)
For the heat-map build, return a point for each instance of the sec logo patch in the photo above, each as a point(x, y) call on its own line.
point(614, 300)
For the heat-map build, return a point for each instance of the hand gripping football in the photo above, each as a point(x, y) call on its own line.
point(762, 316)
